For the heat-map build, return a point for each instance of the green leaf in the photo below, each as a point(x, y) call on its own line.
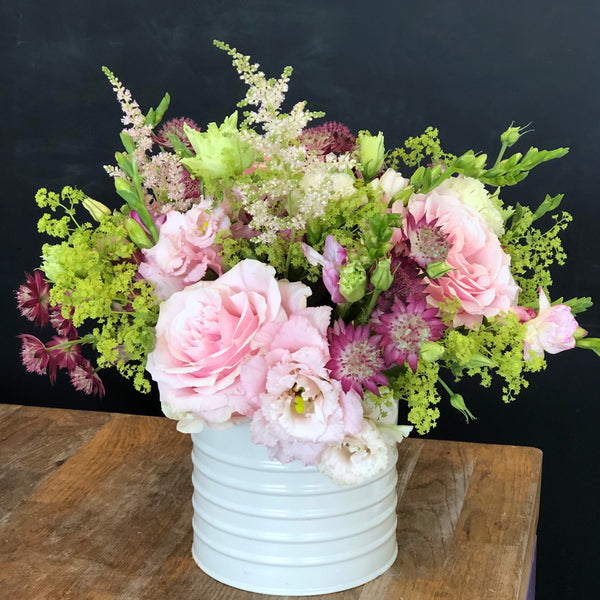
point(590, 344)
point(124, 163)
point(128, 194)
point(154, 116)
point(179, 146)
point(577, 305)
point(549, 203)
point(128, 142)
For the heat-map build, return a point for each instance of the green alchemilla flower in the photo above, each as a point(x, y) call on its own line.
point(370, 154)
point(220, 153)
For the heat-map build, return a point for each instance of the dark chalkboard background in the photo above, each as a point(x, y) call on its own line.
point(468, 68)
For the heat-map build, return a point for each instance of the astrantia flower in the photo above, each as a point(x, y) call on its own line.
point(66, 355)
point(405, 329)
point(175, 128)
point(86, 380)
point(356, 358)
point(328, 137)
point(33, 299)
point(34, 354)
point(64, 327)
point(407, 282)
point(428, 242)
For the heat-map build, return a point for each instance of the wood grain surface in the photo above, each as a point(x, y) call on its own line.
point(97, 506)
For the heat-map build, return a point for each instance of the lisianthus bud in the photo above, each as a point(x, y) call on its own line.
point(370, 154)
point(511, 136)
point(96, 209)
point(137, 234)
point(382, 277)
point(353, 282)
point(458, 402)
point(431, 351)
point(437, 269)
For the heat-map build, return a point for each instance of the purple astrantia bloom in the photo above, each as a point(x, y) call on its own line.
point(175, 128)
point(34, 354)
point(85, 379)
point(356, 358)
point(33, 299)
point(405, 329)
point(328, 137)
point(333, 257)
point(407, 282)
point(427, 241)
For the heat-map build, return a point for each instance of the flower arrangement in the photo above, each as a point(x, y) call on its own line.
point(289, 275)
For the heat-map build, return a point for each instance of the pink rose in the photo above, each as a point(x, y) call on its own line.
point(301, 409)
point(551, 331)
point(206, 332)
point(185, 248)
point(481, 277)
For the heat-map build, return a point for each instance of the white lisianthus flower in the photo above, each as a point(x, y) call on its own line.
point(391, 182)
point(473, 193)
point(357, 458)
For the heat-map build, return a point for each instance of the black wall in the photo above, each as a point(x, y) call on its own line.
point(468, 68)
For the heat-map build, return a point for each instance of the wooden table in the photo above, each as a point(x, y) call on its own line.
point(98, 506)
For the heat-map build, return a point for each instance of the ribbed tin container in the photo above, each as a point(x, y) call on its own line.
point(287, 530)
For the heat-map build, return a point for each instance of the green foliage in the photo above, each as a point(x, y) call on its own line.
point(417, 149)
point(93, 276)
point(533, 252)
point(496, 348)
point(419, 392)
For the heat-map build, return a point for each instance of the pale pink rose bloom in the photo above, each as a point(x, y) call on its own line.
point(204, 334)
point(300, 409)
point(551, 331)
point(481, 278)
point(185, 248)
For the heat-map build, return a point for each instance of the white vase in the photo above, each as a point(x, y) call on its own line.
point(270, 528)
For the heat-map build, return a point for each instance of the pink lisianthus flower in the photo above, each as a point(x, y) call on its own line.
point(300, 409)
point(481, 279)
point(333, 257)
point(185, 249)
point(551, 331)
point(206, 332)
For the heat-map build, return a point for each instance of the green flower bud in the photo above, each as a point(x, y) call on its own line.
point(219, 151)
point(353, 282)
point(137, 234)
point(511, 136)
point(431, 351)
point(370, 154)
point(458, 403)
point(382, 277)
point(438, 268)
point(96, 209)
